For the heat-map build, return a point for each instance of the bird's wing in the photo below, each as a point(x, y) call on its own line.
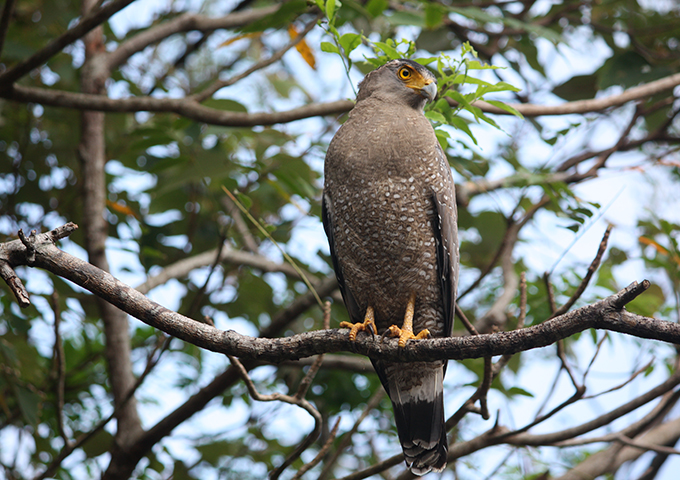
point(355, 314)
point(446, 236)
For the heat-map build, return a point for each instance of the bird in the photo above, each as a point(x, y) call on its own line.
point(389, 212)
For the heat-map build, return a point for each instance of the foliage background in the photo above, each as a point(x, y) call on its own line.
point(534, 196)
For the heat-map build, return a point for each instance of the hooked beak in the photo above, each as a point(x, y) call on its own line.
point(429, 91)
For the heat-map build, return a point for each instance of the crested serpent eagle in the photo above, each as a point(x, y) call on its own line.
point(390, 215)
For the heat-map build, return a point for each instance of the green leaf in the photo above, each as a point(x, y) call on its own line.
point(330, 48)
point(388, 50)
point(505, 106)
point(648, 303)
point(513, 391)
point(349, 41)
point(435, 116)
point(628, 69)
point(245, 200)
point(29, 404)
point(100, 443)
point(460, 124)
point(411, 18)
point(331, 6)
point(281, 18)
point(434, 15)
point(376, 7)
point(225, 104)
point(578, 87)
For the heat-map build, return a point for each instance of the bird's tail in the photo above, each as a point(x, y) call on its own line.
point(416, 391)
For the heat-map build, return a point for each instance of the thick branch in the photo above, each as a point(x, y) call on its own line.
point(606, 314)
point(183, 106)
point(198, 112)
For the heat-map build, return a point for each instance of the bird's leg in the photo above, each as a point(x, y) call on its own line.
point(406, 331)
point(368, 325)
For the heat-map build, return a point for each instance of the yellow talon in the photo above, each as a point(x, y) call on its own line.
point(367, 326)
point(405, 333)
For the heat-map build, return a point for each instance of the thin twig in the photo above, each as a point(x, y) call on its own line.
point(635, 374)
point(550, 292)
point(59, 369)
point(646, 446)
point(218, 84)
point(84, 437)
point(550, 393)
point(560, 343)
point(589, 274)
point(522, 300)
point(87, 23)
point(565, 363)
point(598, 348)
point(195, 304)
point(376, 468)
point(482, 274)
point(283, 252)
point(248, 239)
point(7, 12)
point(566, 437)
point(322, 453)
point(503, 361)
point(484, 388)
point(347, 438)
point(573, 399)
point(464, 320)
point(488, 370)
point(314, 368)
point(300, 402)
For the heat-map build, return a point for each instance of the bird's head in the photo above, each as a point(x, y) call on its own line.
point(401, 81)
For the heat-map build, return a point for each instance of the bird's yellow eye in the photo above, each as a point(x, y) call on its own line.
point(404, 73)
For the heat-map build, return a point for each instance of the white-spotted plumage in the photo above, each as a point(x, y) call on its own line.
point(389, 212)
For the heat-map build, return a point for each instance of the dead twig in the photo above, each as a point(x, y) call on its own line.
point(218, 84)
point(59, 369)
point(294, 400)
point(322, 453)
point(623, 384)
point(589, 274)
point(347, 439)
point(314, 368)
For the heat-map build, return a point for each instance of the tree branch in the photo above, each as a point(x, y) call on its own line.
point(7, 12)
point(198, 112)
point(87, 23)
point(218, 84)
point(180, 106)
point(182, 267)
point(184, 23)
point(40, 251)
point(585, 106)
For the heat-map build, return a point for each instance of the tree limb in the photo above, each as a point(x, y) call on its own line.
point(180, 106)
point(39, 250)
point(87, 23)
point(198, 112)
point(7, 12)
point(585, 106)
point(183, 23)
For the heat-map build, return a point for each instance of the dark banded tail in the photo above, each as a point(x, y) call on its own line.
point(416, 391)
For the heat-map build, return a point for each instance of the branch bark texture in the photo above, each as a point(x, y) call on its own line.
point(607, 314)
